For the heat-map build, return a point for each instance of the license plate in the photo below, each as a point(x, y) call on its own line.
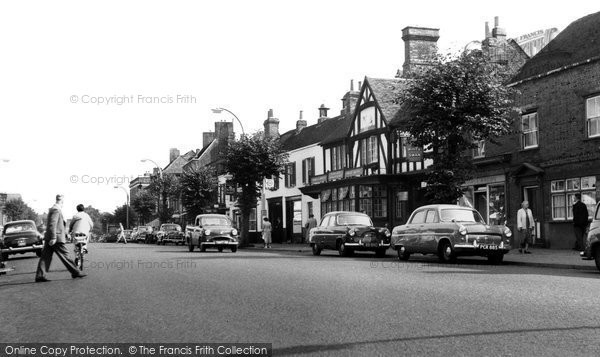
point(488, 246)
point(21, 243)
point(222, 242)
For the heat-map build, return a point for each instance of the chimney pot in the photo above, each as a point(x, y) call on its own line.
point(420, 47)
point(270, 113)
point(496, 21)
point(487, 29)
point(352, 84)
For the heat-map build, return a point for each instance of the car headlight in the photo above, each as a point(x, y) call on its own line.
point(387, 233)
point(207, 232)
point(234, 232)
point(462, 230)
point(507, 232)
point(352, 232)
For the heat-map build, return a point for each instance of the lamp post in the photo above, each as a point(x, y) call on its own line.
point(219, 110)
point(127, 206)
point(155, 164)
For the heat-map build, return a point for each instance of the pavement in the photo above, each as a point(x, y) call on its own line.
point(540, 257)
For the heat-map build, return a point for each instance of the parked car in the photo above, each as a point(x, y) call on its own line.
point(170, 233)
point(212, 231)
point(127, 233)
point(134, 233)
point(20, 237)
point(592, 240)
point(348, 232)
point(450, 231)
point(140, 233)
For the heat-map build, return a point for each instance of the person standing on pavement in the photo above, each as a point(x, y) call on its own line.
point(525, 227)
point(580, 221)
point(121, 234)
point(266, 225)
point(310, 224)
point(55, 241)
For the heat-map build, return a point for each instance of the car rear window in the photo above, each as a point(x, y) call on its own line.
point(19, 227)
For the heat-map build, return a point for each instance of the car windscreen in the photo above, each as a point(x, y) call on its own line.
point(214, 221)
point(171, 227)
point(19, 227)
point(461, 215)
point(353, 220)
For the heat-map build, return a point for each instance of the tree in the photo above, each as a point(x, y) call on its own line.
point(162, 188)
point(144, 204)
point(120, 215)
point(456, 103)
point(249, 160)
point(17, 209)
point(198, 189)
point(96, 217)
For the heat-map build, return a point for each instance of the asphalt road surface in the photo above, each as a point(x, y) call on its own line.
point(305, 305)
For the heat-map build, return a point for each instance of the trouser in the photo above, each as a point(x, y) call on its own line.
point(579, 237)
point(63, 254)
point(525, 236)
point(122, 236)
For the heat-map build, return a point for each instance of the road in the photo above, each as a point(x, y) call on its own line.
point(305, 305)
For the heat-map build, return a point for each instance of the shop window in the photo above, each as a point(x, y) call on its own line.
point(563, 196)
point(529, 131)
point(373, 200)
point(593, 116)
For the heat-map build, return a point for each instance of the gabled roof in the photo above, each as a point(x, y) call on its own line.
point(577, 43)
point(328, 130)
point(386, 92)
point(176, 166)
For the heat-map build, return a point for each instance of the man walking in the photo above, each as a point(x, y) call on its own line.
point(55, 242)
point(580, 221)
point(525, 227)
point(310, 224)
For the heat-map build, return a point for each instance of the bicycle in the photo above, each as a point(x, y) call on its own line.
point(80, 240)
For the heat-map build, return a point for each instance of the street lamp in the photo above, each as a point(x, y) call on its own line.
point(219, 110)
point(127, 207)
point(155, 164)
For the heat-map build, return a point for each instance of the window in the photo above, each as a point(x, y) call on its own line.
point(367, 119)
point(479, 151)
point(308, 169)
point(529, 129)
point(290, 175)
point(252, 221)
point(401, 207)
point(563, 196)
point(324, 221)
point(418, 217)
point(373, 200)
point(368, 150)
point(338, 158)
point(275, 186)
point(431, 216)
point(309, 208)
point(593, 116)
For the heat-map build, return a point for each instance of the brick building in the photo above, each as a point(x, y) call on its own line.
point(555, 151)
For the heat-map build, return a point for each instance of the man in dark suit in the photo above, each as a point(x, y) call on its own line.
point(55, 241)
point(580, 221)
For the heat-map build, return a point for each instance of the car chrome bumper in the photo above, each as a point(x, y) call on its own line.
point(220, 243)
point(363, 245)
point(470, 248)
point(29, 248)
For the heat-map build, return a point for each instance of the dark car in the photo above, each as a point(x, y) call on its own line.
point(347, 232)
point(170, 233)
point(141, 233)
point(20, 237)
point(212, 231)
point(592, 240)
point(450, 231)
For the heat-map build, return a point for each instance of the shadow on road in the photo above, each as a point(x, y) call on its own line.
point(310, 349)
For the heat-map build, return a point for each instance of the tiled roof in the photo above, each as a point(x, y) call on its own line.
point(578, 42)
point(386, 92)
point(331, 128)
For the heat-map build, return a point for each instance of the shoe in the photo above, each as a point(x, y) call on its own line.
point(81, 275)
point(527, 252)
point(41, 280)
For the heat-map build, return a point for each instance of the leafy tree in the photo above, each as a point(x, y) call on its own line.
point(249, 160)
point(459, 101)
point(198, 189)
point(16, 209)
point(163, 188)
point(144, 204)
point(96, 217)
point(120, 216)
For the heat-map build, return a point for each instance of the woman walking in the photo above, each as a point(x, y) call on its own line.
point(266, 232)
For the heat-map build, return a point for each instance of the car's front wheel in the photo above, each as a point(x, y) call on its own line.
point(233, 249)
point(403, 254)
point(380, 253)
point(202, 248)
point(316, 250)
point(191, 247)
point(597, 257)
point(343, 250)
point(220, 249)
point(446, 253)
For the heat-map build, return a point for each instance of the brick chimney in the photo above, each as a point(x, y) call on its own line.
point(322, 113)
point(300, 123)
point(207, 138)
point(271, 126)
point(495, 45)
point(420, 47)
point(349, 100)
point(223, 130)
point(173, 154)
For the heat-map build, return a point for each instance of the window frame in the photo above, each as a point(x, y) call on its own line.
point(588, 118)
point(529, 131)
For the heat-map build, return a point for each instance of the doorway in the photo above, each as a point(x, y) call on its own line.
point(276, 218)
point(293, 221)
point(532, 195)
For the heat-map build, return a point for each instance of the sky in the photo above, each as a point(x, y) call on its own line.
point(90, 88)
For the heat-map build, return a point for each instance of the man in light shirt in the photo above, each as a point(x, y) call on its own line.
point(525, 226)
point(81, 226)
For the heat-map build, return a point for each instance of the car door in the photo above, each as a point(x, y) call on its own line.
point(320, 230)
point(427, 238)
point(413, 230)
point(330, 235)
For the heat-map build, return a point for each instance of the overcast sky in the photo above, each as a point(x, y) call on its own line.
point(247, 56)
